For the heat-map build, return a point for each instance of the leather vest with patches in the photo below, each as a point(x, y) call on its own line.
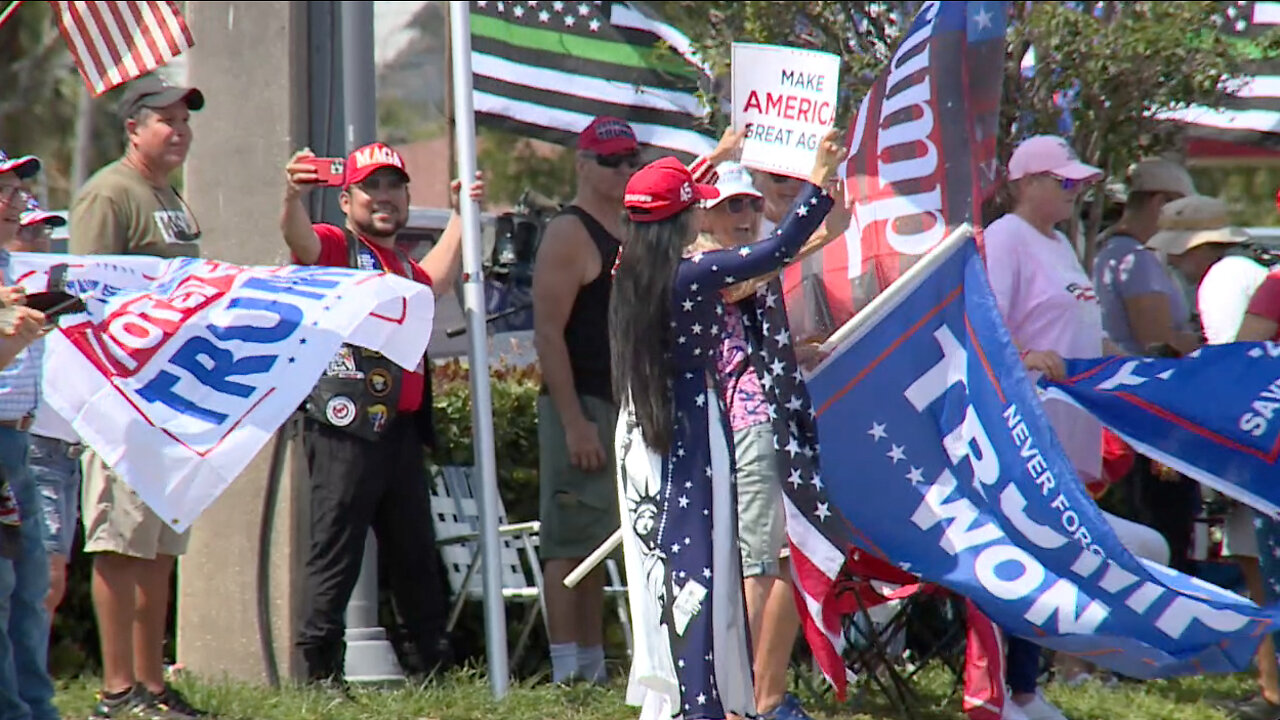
point(360, 390)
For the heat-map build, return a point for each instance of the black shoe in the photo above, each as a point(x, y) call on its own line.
point(336, 686)
point(1255, 708)
point(169, 704)
point(126, 704)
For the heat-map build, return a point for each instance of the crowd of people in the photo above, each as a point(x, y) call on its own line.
point(661, 336)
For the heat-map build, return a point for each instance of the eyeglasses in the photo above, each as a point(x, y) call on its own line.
point(372, 184)
point(613, 162)
point(736, 205)
point(14, 195)
point(179, 230)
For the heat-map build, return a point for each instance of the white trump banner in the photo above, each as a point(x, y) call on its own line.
point(785, 98)
point(179, 371)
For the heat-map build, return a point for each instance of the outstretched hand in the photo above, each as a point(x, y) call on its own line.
point(729, 147)
point(831, 152)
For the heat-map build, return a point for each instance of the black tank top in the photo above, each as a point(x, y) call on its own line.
point(587, 332)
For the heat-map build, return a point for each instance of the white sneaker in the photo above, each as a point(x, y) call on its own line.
point(1012, 710)
point(1037, 709)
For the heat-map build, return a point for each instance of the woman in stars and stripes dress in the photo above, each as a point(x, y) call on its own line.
point(674, 449)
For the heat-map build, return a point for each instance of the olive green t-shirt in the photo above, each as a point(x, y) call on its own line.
point(118, 212)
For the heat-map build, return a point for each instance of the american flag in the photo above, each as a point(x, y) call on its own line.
point(115, 42)
point(818, 539)
point(1251, 113)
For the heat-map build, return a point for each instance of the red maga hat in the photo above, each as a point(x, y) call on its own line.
point(663, 188)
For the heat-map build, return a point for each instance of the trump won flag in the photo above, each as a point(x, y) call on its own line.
point(939, 459)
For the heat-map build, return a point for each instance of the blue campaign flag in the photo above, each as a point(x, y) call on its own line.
point(1213, 415)
point(937, 457)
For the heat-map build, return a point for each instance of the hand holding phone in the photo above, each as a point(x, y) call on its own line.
point(54, 304)
point(330, 172)
point(304, 171)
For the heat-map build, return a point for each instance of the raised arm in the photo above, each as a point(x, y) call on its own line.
point(721, 268)
point(295, 221)
point(444, 260)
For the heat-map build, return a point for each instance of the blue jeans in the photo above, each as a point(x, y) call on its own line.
point(56, 473)
point(26, 691)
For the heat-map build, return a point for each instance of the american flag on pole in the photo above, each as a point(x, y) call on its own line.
point(115, 42)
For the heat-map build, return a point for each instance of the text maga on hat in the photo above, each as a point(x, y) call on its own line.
point(785, 98)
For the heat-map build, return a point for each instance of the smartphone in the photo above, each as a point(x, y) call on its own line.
point(53, 304)
point(331, 171)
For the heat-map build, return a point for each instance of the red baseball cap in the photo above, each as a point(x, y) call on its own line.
point(663, 188)
point(364, 161)
point(608, 136)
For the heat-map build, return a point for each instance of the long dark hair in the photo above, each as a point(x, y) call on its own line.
point(639, 319)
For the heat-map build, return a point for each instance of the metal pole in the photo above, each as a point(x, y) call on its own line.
point(474, 302)
point(370, 657)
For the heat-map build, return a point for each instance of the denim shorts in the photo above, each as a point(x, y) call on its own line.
point(55, 466)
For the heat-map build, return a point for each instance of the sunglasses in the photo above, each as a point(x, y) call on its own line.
point(736, 205)
point(613, 162)
point(373, 184)
point(1067, 184)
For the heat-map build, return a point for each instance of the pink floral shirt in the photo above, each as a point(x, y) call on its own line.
point(743, 395)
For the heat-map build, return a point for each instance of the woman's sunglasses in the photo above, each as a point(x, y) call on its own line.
point(613, 162)
point(736, 205)
point(1068, 184)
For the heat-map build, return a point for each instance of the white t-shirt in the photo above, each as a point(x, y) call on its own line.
point(1048, 303)
point(1224, 294)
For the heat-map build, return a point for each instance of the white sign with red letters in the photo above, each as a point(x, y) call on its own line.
point(785, 98)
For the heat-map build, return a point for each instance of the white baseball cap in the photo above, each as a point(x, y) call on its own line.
point(732, 179)
point(1049, 154)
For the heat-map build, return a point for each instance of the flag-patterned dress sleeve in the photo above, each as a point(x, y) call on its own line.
point(695, 530)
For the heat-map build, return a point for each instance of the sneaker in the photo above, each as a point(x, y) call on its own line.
point(169, 704)
point(788, 709)
point(127, 704)
point(1037, 709)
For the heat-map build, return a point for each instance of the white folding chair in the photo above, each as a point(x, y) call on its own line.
point(456, 511)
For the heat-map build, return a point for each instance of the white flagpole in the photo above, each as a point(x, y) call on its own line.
point(474, 302)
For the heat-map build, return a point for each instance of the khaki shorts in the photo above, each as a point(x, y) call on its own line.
point(578, 510)
point(762, 529)
point(117, 521)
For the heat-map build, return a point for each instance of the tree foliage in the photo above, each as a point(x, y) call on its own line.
point(513, 164)
point(1118, 65)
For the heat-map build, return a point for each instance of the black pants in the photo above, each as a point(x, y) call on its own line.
point(357, 484)
point(1168, 506)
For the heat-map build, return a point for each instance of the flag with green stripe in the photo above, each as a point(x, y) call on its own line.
point(546, 69)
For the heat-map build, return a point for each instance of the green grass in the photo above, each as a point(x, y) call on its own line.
point(465, 695)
